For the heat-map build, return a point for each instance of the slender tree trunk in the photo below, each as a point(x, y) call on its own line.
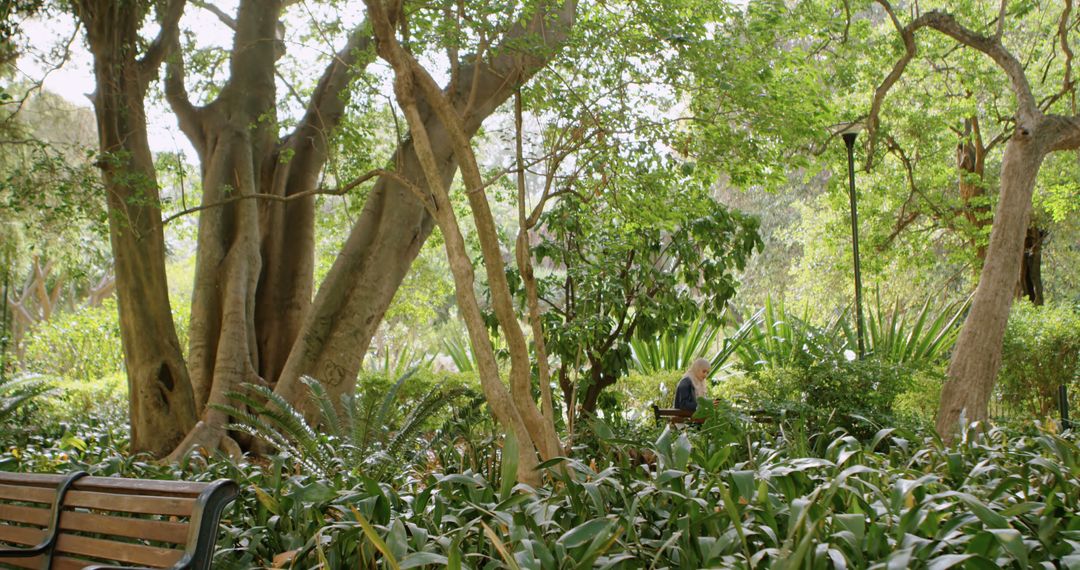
point(973, 368)
point(523, 253)
point(160, 394)
point(592, 393)
point(971, 161)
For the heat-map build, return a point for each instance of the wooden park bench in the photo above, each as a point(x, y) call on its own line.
point(674, 415)
point(678, 416)
point(68, 522)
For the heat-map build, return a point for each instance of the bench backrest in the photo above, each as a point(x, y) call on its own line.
point(111, 521)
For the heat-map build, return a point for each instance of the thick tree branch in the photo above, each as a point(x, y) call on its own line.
point(1063, 132)
point(188, 116)
point(221, 15)
point(164, 43)
point(910, 49)
point(327, 105)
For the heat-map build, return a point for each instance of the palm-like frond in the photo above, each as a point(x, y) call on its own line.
point(17, 391)
point(259, 412)
point(330, 420)
point(429, 405)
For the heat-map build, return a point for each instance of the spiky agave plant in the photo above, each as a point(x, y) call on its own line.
point(910, 337)
point(339, 442)
point(674, 351)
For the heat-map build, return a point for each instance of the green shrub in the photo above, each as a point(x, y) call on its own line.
point(637, 391)
point(730, 495)
point(1041, 352)
point(80, 345)
point(372, 386)
point(919, 402)
point(829, 393)
point(81, 400)
point(85, 344)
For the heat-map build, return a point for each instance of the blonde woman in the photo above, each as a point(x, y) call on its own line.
point(692, 386)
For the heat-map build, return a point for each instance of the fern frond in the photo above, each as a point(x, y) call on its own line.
point(330, 421)
point(435, 400)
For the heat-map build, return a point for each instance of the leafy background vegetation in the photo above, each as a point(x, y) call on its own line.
point(811, 458)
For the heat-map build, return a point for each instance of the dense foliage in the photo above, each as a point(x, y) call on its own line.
point(1041, 354)
point(734, 494)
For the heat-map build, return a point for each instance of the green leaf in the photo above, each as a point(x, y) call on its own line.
point(946, 561)
point(376, 540)
point(424, 558)
point(509, 465)
point(584, 532)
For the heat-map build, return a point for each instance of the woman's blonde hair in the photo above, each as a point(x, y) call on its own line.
point(699, 364)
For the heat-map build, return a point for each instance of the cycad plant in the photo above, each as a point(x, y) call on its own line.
point(352, 440)
point(18, 391)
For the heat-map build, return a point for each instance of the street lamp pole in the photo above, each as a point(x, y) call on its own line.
point(849, 141)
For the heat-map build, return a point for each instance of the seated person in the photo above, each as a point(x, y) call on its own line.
point(692, 386)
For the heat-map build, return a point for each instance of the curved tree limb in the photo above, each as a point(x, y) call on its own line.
point(164, 43)
point(1028, 112)
point(277, 198)
point(188, 116)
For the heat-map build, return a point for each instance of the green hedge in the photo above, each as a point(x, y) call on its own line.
point(1040, 353)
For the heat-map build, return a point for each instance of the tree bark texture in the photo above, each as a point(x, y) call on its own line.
point(971, 161)
point(160, 392)
point(393, 226)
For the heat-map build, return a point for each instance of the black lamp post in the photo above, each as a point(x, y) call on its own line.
point(849, 135)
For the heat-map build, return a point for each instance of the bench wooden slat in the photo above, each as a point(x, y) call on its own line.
point(27, 494)
point(179, 489)
point(30, 479)
point(119, 551)
point(146, 505)
point(128, 527)
point(69, 563)
point(25, 535)
point(28, 515)
point(34, 562)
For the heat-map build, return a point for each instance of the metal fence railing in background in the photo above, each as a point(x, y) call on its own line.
point(1063, 406)
point(1006, 409)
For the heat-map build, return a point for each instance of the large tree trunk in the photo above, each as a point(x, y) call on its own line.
point(390, 231)
point(236, 138)
point(597, 384)
point(160, 392)
point(976, 361)
point(288, 228)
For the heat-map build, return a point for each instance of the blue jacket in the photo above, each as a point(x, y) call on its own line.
point(684, 395)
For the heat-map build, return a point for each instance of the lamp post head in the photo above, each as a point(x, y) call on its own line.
point(850, 132)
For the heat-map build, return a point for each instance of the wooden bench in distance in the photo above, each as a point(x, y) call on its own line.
point(675, 415)
point(69, 522)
